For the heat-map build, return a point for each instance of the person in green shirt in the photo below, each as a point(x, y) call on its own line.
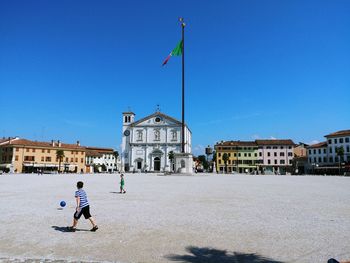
point(122, 190)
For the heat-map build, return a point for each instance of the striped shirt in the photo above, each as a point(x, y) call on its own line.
point(83, 198)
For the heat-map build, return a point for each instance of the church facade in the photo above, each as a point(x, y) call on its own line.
point(146, 143)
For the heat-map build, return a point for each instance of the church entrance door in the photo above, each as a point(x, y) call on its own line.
point(156, 164)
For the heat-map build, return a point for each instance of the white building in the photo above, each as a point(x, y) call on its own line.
point(325, 153)
point(101, 160)
point(147, 142)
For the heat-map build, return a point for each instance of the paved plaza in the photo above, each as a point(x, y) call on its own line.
point(201, 218)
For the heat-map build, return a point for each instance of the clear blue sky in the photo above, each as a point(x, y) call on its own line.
point(254, 69)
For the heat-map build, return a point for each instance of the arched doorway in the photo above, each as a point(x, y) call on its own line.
point(156, 164)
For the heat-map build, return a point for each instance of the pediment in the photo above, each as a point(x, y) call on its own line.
point(156, 119)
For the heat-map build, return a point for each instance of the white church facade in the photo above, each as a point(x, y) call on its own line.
point(146, 143)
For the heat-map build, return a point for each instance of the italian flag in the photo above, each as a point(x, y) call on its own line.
point(177, 51)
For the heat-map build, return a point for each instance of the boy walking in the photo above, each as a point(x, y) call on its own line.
point(122, 190)
point(82, 208)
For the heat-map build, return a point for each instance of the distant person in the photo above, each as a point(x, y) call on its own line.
point(82, 208)
point(122, 183)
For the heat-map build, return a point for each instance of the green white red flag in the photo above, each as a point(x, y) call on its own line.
point(177, 51)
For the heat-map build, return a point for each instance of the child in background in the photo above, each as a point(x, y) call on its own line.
point(122, 190)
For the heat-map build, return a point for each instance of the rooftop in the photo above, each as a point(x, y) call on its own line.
point(338, 133)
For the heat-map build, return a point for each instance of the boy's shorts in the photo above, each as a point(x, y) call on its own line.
point(83, 211)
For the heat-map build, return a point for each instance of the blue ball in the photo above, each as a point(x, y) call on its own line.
point(63, 204)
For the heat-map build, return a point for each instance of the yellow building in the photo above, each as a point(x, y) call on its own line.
point(242, 156)
point(25, 156)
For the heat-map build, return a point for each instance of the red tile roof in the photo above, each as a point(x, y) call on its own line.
point(237, 143)
point(318, 145)
point(275, 142)
point(25, 142)
point(338, 133)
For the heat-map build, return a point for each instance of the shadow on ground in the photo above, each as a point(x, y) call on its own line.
point(212, 255)
point(65, 229)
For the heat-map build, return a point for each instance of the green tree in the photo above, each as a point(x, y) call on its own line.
point(116, 154)
point(340, 154)
point(203, 160)
point(225, 159)
point(171, 157)
point(59, 156)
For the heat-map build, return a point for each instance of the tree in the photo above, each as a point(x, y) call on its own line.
point(116, 154)
point(203, 161)
point(171, 157)
point(340, 153)
point(59, 156)
point(225, 159)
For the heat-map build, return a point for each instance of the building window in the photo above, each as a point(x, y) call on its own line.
point(319, 159)
point(229, 154)
point(290, 154)
point(42, 158)
point(310, 160)
point(347, 139)
point(281, 153)
point(331, 159)
point(239, 154)
point(309, 151)
point(268, 154)
point(282, 162)
point(71, 160)
point(324, 159)
point(319, 151)
point(66, 159)
point(82, 160)
point(324, 151)
point(347, 148)
point(269, 161)
point(275, 154)
point(341, 140)
point(330, 141)
point(315, 160)
point(48, 151)
point(219, 161)
point(314, 151)
point(29, 158)
point(330, 150)
point(33, 150)
point(245, 154)
point(275, 161)
point(48, 159)
point(17, 149)
point(16, 158)
point(290, 161)
point(260, 154)
point(219, 154)
point(27, 150)
point(335, 141)
point(282, 147)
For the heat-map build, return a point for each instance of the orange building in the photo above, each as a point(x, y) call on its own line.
point(25, 156)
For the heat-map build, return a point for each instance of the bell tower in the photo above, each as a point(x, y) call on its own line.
point(128, 119)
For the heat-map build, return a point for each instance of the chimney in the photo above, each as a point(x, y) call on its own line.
point(78, 143)
point(59, 143)
point(52, 143)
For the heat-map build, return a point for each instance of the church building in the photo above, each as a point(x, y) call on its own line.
point(146, 143)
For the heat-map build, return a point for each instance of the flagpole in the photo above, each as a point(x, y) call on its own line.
point(183, 84)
